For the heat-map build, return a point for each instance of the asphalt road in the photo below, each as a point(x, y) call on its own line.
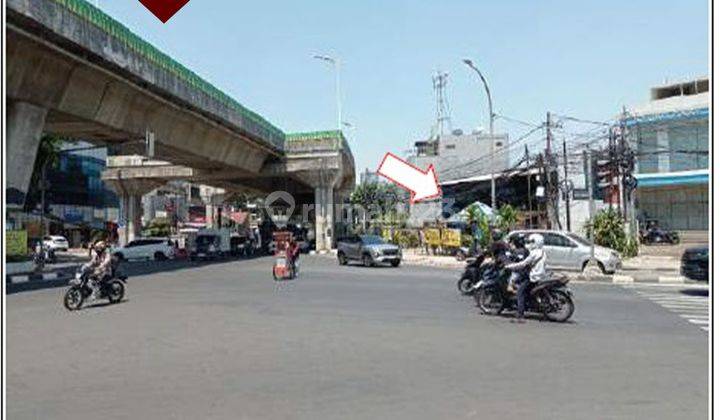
point(225, 341)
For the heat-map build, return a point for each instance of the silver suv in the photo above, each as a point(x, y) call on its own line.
point(370, 249)
point(569, 251)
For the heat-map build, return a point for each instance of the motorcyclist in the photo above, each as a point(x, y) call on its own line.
point(499, 248)
point(293, 251)
point(101, 266)
point(519, 253)
point(534, 266)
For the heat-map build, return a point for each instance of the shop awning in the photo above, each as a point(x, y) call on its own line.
point(668, 179)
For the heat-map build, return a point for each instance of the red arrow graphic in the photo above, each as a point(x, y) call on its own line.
point(164, 9)
point(422, 185)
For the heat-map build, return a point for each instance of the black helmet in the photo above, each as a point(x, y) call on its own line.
point(496, 234)
point(518, 240)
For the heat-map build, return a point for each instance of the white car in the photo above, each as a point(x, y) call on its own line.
point(56, 243)
point(157, 249)
point(569, 251)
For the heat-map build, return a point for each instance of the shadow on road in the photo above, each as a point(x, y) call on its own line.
point(98, 305)
point(151, 267)
point(128, 268)
point(695, 292)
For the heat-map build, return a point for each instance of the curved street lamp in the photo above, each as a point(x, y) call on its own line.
point(492, 132)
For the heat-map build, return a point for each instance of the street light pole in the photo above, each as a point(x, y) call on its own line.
point(492, 131)
point(336, 65)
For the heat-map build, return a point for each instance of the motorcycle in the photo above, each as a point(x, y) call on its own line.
point(43, 257)
point(112, 289)
point(551, 298)
point(472, 275)
point(659, 236)
point(480, 267)
point(462, 253)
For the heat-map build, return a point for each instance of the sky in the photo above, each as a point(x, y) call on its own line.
point(585, 59)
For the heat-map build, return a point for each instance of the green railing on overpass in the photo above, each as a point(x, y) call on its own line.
point(117, 30)
point(316, 140)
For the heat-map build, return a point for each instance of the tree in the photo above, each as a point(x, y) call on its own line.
point(380, 200)
point(48, 156)
point(159, 226)
point(609, 231)
point(507, 218)
point(475, 216)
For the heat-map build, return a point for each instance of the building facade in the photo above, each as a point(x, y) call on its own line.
point(457, 156)
point(77, 199)
point(670, 135)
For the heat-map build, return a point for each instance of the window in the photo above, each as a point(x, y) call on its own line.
point(372, 240)
point(450, 146)
point(552, 239)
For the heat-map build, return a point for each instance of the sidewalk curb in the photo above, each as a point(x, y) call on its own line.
point(32, 281)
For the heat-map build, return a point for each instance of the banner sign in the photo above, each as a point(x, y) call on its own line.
point(432, 237)
point(451, 238)
point(16, 242)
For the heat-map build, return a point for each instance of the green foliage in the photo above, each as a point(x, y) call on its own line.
point(609, 231)
point(406, 238)
point(475, 215)
point(160, 226)
point(48, 156)
point(380, 202)
point(631, 248)
point(507, 218)
point(466, 240)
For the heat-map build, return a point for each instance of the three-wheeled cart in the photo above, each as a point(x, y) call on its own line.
point(283, 268)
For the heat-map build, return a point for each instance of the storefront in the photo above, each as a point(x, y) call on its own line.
point(679, 201)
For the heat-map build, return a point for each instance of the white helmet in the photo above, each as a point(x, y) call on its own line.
point(535, 241)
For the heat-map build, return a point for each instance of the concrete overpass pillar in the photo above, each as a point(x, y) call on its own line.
point(130, 217)
point(130, 192)
point(324, 218)
point(25, 123)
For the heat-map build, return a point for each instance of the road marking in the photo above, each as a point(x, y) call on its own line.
point(671, 279)
point(19, 279)
point(693, 309)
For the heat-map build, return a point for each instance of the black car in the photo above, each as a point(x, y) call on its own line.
point(695, 263)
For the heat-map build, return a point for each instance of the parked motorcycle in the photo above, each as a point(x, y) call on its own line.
point(112, 289)
point(550, 298)
point(652, 233)
point(659, 236)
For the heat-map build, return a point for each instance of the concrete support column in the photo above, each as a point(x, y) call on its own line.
point(130, 217)
point(25, 123)
point(209, 216)
point(324, 218)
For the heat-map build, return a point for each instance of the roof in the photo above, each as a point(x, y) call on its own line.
point(488, 177)
point(674, 104)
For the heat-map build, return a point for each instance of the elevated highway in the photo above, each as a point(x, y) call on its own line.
point(74, 71)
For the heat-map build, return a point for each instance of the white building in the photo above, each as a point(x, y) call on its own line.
point(670, 135)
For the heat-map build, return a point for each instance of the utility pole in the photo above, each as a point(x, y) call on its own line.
point(43, 183)
point(612, 159)
point(529, 176)
point(566, 188)
point(588, 155)
point(551, 193)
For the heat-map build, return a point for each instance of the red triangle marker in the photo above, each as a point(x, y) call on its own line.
point(164, 9)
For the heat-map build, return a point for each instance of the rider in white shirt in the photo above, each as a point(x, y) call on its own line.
point(535, 263)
